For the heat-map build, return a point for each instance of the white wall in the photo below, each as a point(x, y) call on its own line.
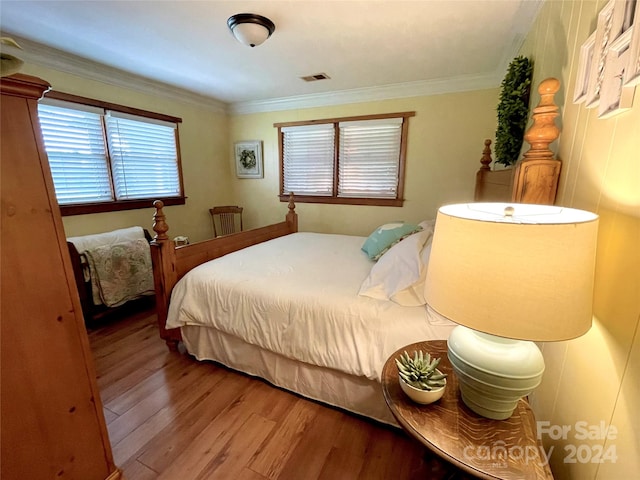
point(595, 378)
point(445, 143)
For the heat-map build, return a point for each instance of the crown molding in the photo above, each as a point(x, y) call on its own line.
point(45, 56)
point(369, 94)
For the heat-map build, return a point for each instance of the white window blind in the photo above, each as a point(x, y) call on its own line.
point(308, 159)
point(75, 146)
point(369, 158)
point(104, 156)
point(143, 156)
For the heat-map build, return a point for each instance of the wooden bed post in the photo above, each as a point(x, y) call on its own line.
point(163, 258)
point(292, 216)
point(482, 173)
point(535, 177)
point(537, 174)
point(492, 185)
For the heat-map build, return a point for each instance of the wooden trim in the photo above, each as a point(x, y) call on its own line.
point(280, 158)
point(345, 119)
point(115, 206)
point(115, 475)
point(176, 134)
point(336, 160)
point(21, 85)
point(68, 97)
point(402, 160)
point(171, 263)
point(378, 202)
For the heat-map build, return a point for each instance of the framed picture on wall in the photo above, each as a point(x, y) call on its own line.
point(614, 96)
point(584, 68)
point(609, 27)
point(248, 156)
point(632, 72)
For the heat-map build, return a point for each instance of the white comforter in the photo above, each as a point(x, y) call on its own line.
point(298, 296)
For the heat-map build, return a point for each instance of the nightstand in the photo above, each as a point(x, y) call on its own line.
point(493, 449)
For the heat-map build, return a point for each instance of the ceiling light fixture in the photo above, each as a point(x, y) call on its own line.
point(250, 29)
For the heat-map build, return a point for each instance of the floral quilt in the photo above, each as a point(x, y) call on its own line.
point(120, 272)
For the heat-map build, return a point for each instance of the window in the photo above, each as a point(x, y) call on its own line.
point(354, 160)
point(106, 157)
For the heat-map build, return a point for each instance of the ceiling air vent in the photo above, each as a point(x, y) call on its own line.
point(315, 77)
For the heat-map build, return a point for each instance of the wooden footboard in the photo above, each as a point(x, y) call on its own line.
point(171, 263)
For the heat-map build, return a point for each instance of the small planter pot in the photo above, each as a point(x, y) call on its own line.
point(423, 397)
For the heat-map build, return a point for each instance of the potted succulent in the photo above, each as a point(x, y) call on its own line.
point(420, 378)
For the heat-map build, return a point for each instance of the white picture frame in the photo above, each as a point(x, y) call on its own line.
point(584, 68)
point(628, 15)
point(609, 27)
point(632, 72)
point(248, 158)
point(614, 96)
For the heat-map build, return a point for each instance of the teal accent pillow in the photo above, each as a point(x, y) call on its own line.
point(385, 236)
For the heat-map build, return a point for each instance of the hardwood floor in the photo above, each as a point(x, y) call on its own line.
point(172, 417)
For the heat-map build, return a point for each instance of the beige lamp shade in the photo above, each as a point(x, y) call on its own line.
point(527, 274)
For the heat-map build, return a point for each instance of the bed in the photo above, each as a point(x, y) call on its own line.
point(311, 313)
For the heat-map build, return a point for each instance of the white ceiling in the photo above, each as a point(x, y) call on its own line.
point(370, 49)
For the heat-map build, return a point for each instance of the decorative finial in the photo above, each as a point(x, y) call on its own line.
point(486, 156)
point(159, 225)
point(544, 130)
point(509, 211)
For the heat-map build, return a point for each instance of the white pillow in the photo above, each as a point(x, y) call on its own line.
point(400, 273)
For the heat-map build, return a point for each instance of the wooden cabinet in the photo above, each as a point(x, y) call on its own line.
point(52, 422)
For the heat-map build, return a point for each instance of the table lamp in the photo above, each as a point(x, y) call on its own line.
point(509, 275)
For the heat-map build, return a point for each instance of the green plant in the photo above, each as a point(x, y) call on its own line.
point(420, 371)
point(513, 110)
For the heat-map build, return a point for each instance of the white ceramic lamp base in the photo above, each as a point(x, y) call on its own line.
point(494, 373)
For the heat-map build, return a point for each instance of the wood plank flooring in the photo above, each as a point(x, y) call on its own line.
point(171, 417)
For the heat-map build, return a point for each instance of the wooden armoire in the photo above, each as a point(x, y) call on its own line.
point(52, 422)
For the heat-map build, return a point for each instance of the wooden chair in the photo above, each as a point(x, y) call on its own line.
point(226, 219)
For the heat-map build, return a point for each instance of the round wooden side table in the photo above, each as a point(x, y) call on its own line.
point(492, 449)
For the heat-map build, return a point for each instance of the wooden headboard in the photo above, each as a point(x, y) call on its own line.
point(534, 179)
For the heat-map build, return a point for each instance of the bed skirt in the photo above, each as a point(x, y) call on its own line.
point(354, 394)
